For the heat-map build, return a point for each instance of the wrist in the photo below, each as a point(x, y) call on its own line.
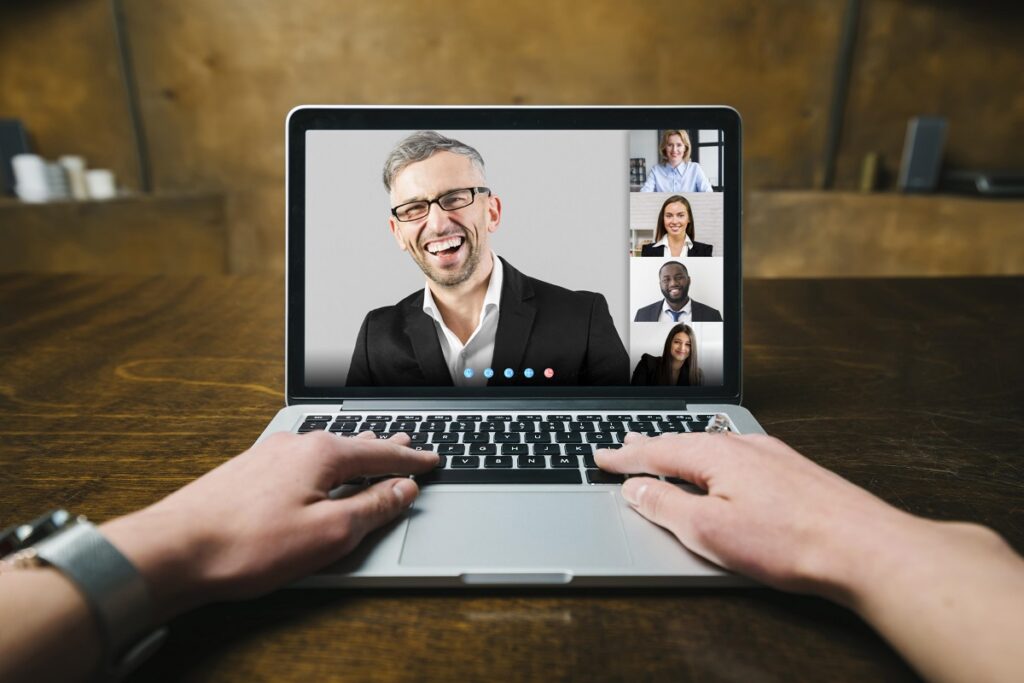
point(163, 550)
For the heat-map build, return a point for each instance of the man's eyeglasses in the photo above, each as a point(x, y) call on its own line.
point(449, 201)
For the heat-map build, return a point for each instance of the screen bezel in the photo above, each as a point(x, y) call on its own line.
point(324, 117)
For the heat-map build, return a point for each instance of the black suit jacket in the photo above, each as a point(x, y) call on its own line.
point(540, 326)
point(646, 373)
point(699, 249)
point(700, 313)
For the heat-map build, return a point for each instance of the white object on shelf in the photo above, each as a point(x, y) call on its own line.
point(100, 183)
point(74, 167)
point(30, 178)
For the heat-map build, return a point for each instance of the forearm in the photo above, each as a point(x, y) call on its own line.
point(46, 629)
point(950, 599)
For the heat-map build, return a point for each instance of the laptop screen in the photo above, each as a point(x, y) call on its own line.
point(478, 260)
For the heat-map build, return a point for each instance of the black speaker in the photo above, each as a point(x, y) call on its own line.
point(922, 154)
point(12, 141)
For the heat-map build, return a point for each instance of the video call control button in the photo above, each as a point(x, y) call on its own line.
point(579, 449)
point(537, 437)
point(504, 461)
point(465, 461)
point(547, 449)
point(568, 437)
point(488, 373)
point(348, 418)
point(509, 373)
point(549, 373)
point(505, 437)
point(515, 449)
point(378, 418)
point(602, 477)
point(528, 373)
point(451, 449)
point(531, 461)
point(500, 476)
point(562, 461)
point(445, 437)
point(483, 449)
point(599, 437)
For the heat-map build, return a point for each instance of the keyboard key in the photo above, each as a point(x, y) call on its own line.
point(465, 461)
point(376, 426)
point(650, 418)
point(521, 426)
point(698, 426)
point(378, 418)
point(451, 449)
point(419, 437)
point(621, 418)
point(640, 426)
point(549, 426)
point(483, 449)
point(599, 437)
point(532, 461)
point(496, 476)
point(581, 427)
point(537, 437)
point(492, 426)
point(503, 461)
point(676, 427)
point(568, 437)
point(421, 447)
point(433, 426)
point(441, 461)
point(563, 461)
point(609, 445)
point(515, 449)
point(319, 418)
point(469, 418)
point(439, 418)
point(529, 418)
point(560, 418)
point(547, 449)
point(499, 418)
point(602, 477)
point(406, 418)
point(705, 418)
point(505, 437)
point(588, 418)
point(310, 426)
point(476, 437)
point(462, 426)
point(402, 427)
point(348, 417)
point(578, 449)
point(589, 462)
point(445, 437)
point(343, 427)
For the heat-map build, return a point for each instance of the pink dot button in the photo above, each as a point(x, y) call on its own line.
point(549, 373)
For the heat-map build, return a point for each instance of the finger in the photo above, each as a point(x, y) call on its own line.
point(676, 455)
point(634, 437)
point(372, 508)
point(373, 457)
point(685, 514)
point(368, 434)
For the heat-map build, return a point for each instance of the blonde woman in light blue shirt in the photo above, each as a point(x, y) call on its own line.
point(676, 173)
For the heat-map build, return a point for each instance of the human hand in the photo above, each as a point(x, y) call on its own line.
point(768, 512)
point(264, 517)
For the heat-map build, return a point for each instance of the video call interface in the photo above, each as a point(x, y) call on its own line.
point(483, 258)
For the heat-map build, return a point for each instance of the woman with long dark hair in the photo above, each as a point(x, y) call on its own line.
point(675, 234)
point(676, 366)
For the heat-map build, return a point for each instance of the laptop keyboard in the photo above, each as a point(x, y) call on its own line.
point(511, 448)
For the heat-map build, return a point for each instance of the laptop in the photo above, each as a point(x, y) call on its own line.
point(514, 288)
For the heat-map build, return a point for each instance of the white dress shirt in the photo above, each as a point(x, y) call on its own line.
point(685, 317)
point(663, 242)
point(478, 351)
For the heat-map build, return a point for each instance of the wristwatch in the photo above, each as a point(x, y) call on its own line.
point(116, 593)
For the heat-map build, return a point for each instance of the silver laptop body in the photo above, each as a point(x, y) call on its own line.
point(605, 165)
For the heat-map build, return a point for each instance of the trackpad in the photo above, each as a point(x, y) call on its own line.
point(537, 530)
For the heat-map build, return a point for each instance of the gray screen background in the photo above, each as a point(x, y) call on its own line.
point(565, 220)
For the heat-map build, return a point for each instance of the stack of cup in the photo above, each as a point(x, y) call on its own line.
point(30, 178)
point(38, 181)
point(74, 167)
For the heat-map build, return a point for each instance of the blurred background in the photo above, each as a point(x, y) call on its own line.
point(184, 101)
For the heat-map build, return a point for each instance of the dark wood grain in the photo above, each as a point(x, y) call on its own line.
point(115, 391)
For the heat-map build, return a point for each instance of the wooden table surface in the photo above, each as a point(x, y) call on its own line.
point(116, 390)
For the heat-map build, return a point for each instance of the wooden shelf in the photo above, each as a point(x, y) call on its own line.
point(165, 233)
point(849, 234)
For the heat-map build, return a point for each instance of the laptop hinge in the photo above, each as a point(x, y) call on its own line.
point(514, 404)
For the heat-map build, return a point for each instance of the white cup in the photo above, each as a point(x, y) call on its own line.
point(30, 177)
point(75, 168)
point(100, 183)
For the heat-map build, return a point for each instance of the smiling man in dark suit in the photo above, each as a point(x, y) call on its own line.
point(677, 306)
point(476, 311)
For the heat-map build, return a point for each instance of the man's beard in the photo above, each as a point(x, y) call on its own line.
point(450, 278)
point(684, 294)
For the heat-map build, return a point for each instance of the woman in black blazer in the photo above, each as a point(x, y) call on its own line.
point(677, 364)
point(675, 233)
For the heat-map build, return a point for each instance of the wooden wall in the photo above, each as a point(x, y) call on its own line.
point(216, 79)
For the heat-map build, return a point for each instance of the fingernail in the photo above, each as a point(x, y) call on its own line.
point(633, 491)
point(404, 490)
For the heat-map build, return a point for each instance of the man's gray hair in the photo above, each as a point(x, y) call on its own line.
point(422, 145)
